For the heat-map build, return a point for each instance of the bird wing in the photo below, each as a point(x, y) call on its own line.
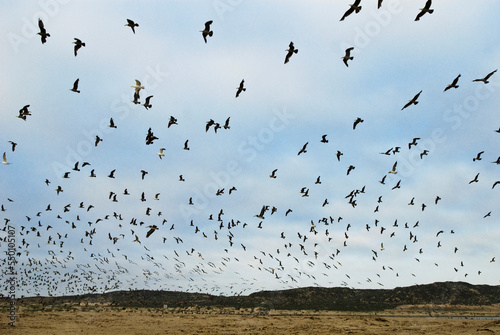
point(40, 25)
point(75, 84)
point(489, 75)
point(4, 158)
point(207, 25)
point(347, 13)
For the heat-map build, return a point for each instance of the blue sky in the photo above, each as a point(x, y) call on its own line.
point(284, 106)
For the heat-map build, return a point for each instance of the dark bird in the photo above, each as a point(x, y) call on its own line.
point(356, 122)
point(240, 88)
point(75, 86)
point(78, 44)
point(172, 121)
point(226, 124)
point(147, 103)
point(323, 139)
point(478, 156)
point(497, 161)
point(495, 184)
point(413, 142)
point(291, 50)
point(338, 154)
point(303, 150)
point(132, 25)
point(207, 32)
point(350, 168)
point(379, 3)
point(426, 9)
point(43, 33)
point(453, 84)
point(97, 140)
point(111, 123)
point(186, 147)
point(152, 229)
point(412, 101)
point(485, 79)
point(487, 214)
point(353, 7)
point(348, 56)
point(475, 180)
point(143, 174)
point(13, 145)
point(273, 174)
point(112, 174)
point(397, 185)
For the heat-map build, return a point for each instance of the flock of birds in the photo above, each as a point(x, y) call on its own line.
point(315, 250)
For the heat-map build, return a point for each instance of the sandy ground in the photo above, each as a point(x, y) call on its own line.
point(146, 321)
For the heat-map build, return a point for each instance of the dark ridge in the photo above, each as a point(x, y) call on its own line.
point(309, 298)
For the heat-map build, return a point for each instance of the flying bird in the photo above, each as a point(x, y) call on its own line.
point(475, 180)
point(353, 7)
point(78, 44)
point(13, 145)
point(75, 86)
point(207, 32)
point(426, 9)
point(393, 171)
point(323, 139)
point(4, 161)
point(240, 88)
point(273, 174)
point(453, 84)
point(412, 101)
point(137, 87)
point(303, 150)
point(147, 103)
point(478, 156)
point(291, 50)
point(485, 79)
point(356, 122)
point(413, 142)
point(379, 3)
point(132, 25)
point(43, 33)
point(161, 154)
point(112, 123)
point(348, 56)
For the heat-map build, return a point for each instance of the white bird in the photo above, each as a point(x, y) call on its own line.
point(393, 171)
point(4, 162)
point(137, 86)
point(161, 154)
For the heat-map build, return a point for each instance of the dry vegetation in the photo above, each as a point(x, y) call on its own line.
point(104, 319)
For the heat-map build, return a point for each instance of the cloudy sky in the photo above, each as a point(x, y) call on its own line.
point(376, 243)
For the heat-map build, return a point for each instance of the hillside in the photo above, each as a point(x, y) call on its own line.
point(310, 298)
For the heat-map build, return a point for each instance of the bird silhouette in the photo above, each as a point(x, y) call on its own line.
point(132, 25)
point(453, 84)
point(485, 79)
point(75, 86)
point(291, 50)
point(78, 44)
point(355, 7)
point(347, 56)
point(426, 9)
point(412, 101)
point(43, 33)
point(240, 88)
point(206, 31)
